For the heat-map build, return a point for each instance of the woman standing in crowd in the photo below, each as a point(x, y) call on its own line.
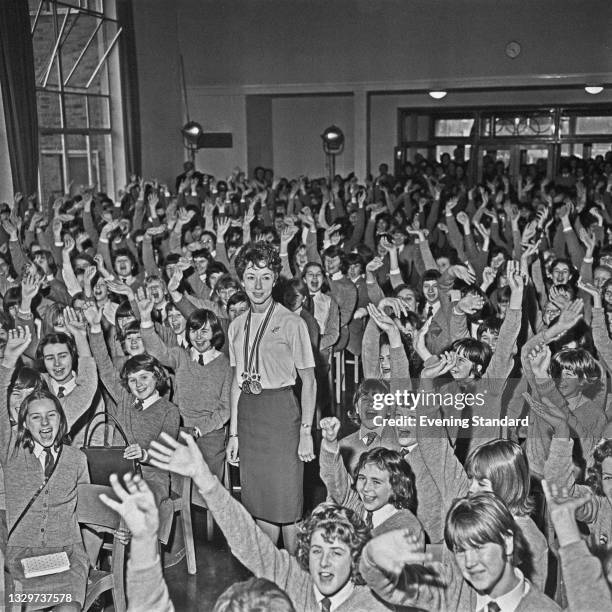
point(269, 346)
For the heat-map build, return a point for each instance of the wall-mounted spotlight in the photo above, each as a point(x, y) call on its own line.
point(593, 89)
point(438, 94)
point(333, 144)
point(191, 132)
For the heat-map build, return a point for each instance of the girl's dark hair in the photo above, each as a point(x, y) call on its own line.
point(57, 338)
point(401, 476)
point(24, 437)
point(148, 364)
point(600, 453)
point(259, 255)
point(27, 378)
point(581, 363)
point(479, 353)
point(200, 317)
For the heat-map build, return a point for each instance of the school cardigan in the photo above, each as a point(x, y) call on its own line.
point(51, 520)
point(438, 586)
point(201, 391)
point(78, 401)
point(340, 490)
point(249, 544)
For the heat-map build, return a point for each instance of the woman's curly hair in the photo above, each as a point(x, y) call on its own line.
point(336, 522)
point(600, 453)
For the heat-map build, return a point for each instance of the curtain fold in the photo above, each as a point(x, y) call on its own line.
point(129, 88)
point(18, 84)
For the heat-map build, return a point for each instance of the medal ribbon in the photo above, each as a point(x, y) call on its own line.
point(254, 353)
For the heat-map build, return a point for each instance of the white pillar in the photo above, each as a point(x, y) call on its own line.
point(360, 134)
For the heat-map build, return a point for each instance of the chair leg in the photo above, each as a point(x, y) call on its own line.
point(356, 369)
point(338, 369)
point(343, 370)
point(188, 535)
point(210, 526)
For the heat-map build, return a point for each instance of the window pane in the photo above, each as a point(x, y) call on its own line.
point(48, 104)
point(600, 148)
point(101, 157)
point(51, 166)
point(575, 149)
point(99, 112)
point(76, 111)
point(594, 125)
point(524, 126)
point(454, 127)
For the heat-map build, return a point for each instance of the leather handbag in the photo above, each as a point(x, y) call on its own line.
point(107, 459)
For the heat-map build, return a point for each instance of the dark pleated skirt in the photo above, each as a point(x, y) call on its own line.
point(271, 473)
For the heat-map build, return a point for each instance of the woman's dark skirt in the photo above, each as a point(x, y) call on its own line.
point(271, 473)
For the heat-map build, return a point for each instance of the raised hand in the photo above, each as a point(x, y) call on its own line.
point(442, 365)
point(588, 239)
point(145, 304)
point(463, 218)
point(93, 316)
point(488, 277)
point(464, 273)
point(30, 285)
point(571, 314)
point(69, 244)
point(175, 280)
point(592, 290)
point(18, 341)
point(74, 323)
point(374, 264)
point(470, 303)
point(287, 234)
point(539, 358)
point(396, 304)
point(393, 550)
point(384, 322)
point(223, 226)
point(562, 509)
point(136, 506)
point(120, 288)
point(330, 426)
point(185, 459)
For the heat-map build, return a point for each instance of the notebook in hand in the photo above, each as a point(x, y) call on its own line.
point(45, 565)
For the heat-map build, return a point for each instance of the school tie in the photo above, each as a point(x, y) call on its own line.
point(201, 359)
point(370, 437)
point(430, 312)
point(49, 461)
point(325, 604)
point(60, 392)
point(404, 451)
point(492, 606)
point(138, 405)
point(368, 520)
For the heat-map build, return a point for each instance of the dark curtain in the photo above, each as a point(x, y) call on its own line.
point(129, 87)
point(18, 84)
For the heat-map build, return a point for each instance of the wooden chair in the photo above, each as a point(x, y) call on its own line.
point(180, 498)
point(91, 511)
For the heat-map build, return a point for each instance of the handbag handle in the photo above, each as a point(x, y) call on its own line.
point(112, 418)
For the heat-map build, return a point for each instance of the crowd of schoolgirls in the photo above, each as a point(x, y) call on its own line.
point(211, 325)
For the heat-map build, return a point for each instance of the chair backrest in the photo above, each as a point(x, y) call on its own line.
point(92, 511)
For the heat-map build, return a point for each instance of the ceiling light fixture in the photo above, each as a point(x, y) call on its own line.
point(438, 94)
point(593, 89)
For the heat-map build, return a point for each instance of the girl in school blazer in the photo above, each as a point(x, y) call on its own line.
point(28, 456)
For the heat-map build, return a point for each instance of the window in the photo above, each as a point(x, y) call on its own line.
point(77, 78)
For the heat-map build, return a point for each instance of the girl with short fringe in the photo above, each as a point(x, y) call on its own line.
point(138, 403)
point(202, 378)
point(38, 457)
